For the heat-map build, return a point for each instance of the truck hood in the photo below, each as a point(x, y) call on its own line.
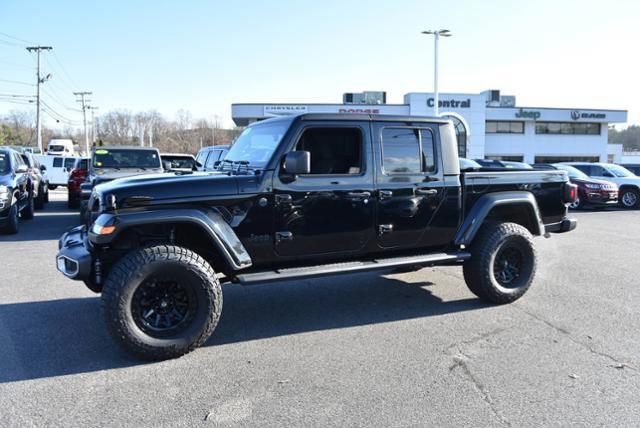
point(154, 189)
point(108, 174)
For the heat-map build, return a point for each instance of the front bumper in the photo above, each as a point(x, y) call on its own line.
point(566, 225)
point(74, 257)
point(602, 198)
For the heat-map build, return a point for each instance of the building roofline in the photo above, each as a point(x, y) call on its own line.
point(315, 104)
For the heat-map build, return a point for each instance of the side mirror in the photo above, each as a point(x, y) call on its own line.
point(166, 165)
point(607, 174)
point(298, 162)
point(43, 168)
point(22, 169)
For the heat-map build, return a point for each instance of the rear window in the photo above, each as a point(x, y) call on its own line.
point(57, 162)
point(56, 148)
point(407, 150)
point(83, 164)
point(184, 162)
point(126, 158)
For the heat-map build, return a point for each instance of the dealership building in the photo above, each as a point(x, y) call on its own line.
point(488, 124)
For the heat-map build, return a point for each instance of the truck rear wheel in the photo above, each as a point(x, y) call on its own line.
point(161, 302)
point(502, 264)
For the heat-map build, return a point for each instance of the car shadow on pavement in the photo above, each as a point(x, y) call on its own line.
point(48, 223)
point(62, 337)
point(266, 311)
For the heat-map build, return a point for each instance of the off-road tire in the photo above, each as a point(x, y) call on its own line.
point(479, 271)
point(28, 212)
point(72, 201)
point(52, 187)
point(131, 271)
point(633, 195)
point(40, 199)
point(11, 227)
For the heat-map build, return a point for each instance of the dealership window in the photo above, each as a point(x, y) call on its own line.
point(567, 128)
point(513, 158)
point(333, 150)
point(407, 150)
point(558, 159)
point(504, 127)
point(461, 133)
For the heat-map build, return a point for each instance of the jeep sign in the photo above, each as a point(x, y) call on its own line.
point(528, 114)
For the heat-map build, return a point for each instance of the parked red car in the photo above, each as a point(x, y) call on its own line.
point(591, 191)
point(77, 176)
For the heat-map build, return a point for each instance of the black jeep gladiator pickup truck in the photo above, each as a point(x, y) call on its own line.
point(299, 197)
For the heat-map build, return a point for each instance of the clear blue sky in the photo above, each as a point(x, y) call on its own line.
point(204, 55)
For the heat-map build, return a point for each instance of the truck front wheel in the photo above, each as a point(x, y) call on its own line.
point(161, 302)
point(502, 264)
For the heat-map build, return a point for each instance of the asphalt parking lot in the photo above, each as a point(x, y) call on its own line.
point(399, 349)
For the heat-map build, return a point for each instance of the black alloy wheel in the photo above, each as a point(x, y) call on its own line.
point(163, 307)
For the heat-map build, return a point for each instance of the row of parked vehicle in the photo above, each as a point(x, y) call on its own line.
point(24, 187)
point(599, 184)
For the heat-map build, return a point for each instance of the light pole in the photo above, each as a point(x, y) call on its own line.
point(436, 36)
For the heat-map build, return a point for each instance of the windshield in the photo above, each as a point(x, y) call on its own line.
point(257, 143)
point(56, 148)
point(179, 161)
point(4, 162)
point(572, 172)
point(126, 158)
point(620, 171)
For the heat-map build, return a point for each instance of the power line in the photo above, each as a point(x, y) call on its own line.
point(64, 70)
point(61, 79)
point(17, 82)
point(14, 38)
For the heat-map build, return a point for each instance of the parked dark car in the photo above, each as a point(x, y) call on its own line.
point(110, 163)
point(178, 162)
point(628, 183)
point(77, 176)
point(633, 167)
point(38, 178)
point(299, 197)
point(16, 191)
point(500, 164)
point(591, 192)
point(209, 157)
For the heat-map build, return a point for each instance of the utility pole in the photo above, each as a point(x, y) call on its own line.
point(93, 124)
point(436, 38)
point(40, 80)
point(85, 106)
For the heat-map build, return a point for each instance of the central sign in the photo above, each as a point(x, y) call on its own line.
point(450, 103)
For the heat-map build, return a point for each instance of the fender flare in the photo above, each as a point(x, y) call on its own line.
point(208, 220)
point(483, 206)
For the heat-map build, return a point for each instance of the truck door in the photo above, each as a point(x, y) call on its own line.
point(330, 210)
point(410, 182)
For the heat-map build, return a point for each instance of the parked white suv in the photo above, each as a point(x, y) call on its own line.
point(628, 183)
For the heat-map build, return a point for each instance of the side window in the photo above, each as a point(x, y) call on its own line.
point(83, 164)
point(69, 162)
point(408, 151)
point(57, 162)
point(597, 171)
point(202, 157)
point(211, 160)
point(428, 151)
point(334, 151)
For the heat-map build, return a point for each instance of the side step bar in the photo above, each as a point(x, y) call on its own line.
point(348, 267)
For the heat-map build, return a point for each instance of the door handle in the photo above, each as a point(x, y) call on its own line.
point(425, 191)
point(359, 194)
point(385, 194)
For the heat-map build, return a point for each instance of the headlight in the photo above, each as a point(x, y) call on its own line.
point(592, 186)
point(4, 192)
